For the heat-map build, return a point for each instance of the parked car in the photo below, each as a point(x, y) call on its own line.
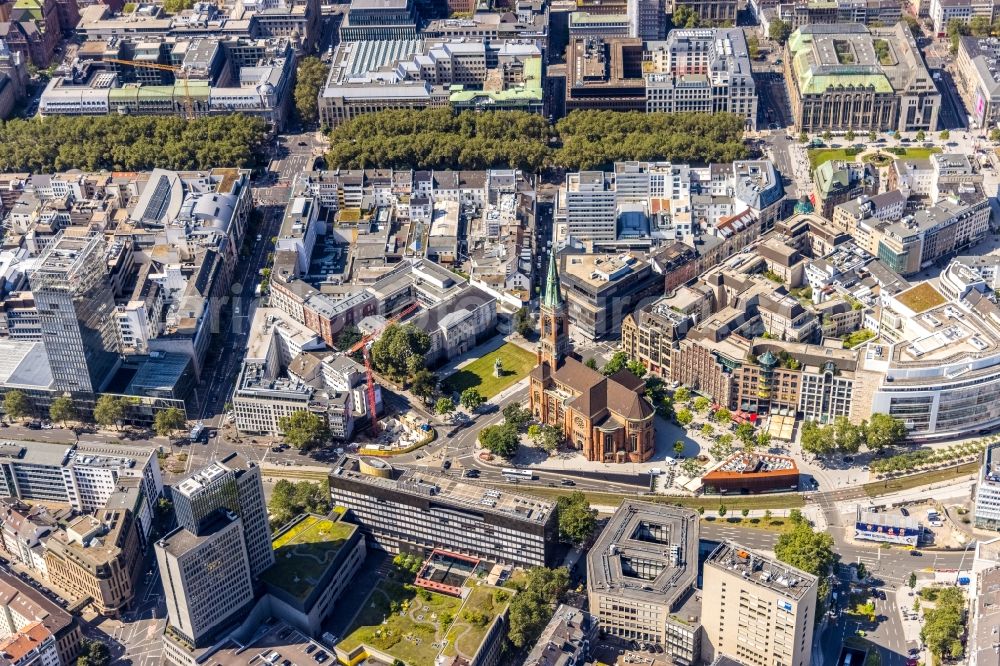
point(903, 511)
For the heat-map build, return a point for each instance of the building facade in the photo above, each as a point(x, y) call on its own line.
point(206, 581)
point(846, 76)
point(757, 609)
point(418, 512)
point(76, 311)
point(641, 577)
point(651, 333)
point(233, 484)
point(987, 509)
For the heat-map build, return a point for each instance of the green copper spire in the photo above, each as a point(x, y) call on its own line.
point(553, 295)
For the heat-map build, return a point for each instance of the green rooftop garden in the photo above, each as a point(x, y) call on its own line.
point(883, 52)
point(303, 550)
point(920, 298)
point(845, 53)
point(415, 625)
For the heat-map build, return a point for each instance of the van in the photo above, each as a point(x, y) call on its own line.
point(656, 471)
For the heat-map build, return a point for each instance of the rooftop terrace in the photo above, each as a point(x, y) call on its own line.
point(303, 551)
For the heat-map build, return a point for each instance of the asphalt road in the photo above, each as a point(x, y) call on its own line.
point(221, 370)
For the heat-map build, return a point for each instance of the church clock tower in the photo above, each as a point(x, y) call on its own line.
point(553, 341)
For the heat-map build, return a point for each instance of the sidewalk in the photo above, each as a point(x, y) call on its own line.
point(904, 606)
point(944, 491)
point(500, 397)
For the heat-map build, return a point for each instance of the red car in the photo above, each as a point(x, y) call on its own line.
point(912, 662)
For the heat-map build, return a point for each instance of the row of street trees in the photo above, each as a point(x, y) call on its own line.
point(880, 432)
point(109, 411)
point(442, 139)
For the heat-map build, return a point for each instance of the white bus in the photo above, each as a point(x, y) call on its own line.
point(512, 473)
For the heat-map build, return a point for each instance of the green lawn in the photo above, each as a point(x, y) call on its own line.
point(303, 551)
point(779, 525)
point(517, 363)
point(876, 488)
point(734, 503)
point(416, 636)
point(481, 607)
point(819, 155)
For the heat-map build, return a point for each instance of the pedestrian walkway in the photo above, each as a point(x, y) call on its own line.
point(942, 492)
point(505, 394)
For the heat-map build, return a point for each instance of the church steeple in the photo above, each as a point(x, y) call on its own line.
point(553, 295)
point(553, 342)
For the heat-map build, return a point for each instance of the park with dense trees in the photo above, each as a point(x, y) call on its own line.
point(130, 143)
point(441, 139)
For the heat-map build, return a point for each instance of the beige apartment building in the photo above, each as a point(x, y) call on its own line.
point(97, 557)
point(756, 609)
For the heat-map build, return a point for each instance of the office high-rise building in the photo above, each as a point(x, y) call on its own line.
point(76, 312)
point(206, 578)
point(233, 484)
point(647, 19)
point(756, 609)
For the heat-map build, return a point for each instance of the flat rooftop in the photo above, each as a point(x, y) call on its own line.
point(647, 551)
point(303, 551)
point(986, 622)
point(446, 489)
point(763, 571)
point(741, 465)
point(270, 644)
point(598, 270)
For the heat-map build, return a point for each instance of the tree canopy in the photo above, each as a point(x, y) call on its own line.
point(576, 519)
point(167, 421)
point(399, 351)
point(500, 440)
point(684, 17)
point(592, 139)
point(109, 410)
point(944, 625)
point(808, 550)
point(517, 415)
point(62, 409)
point(883, 431)
point(779, 30)
point(290, 499)
point(130, 143)
point(309, 78)
point(471, 399)
point(302, 429)
point(442, 139)
point(93, 653)
point(16, 404)
point(532, 607)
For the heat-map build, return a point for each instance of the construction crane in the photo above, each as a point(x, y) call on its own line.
point(179, 72)
point(364, 345)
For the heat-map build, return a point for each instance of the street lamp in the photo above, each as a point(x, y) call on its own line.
point(958, 572)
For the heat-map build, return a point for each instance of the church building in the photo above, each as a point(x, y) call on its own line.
point(606, 418)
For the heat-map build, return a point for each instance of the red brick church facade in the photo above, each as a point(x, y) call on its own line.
point(606, 418)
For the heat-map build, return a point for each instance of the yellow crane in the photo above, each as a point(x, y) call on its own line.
point(179, 72)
